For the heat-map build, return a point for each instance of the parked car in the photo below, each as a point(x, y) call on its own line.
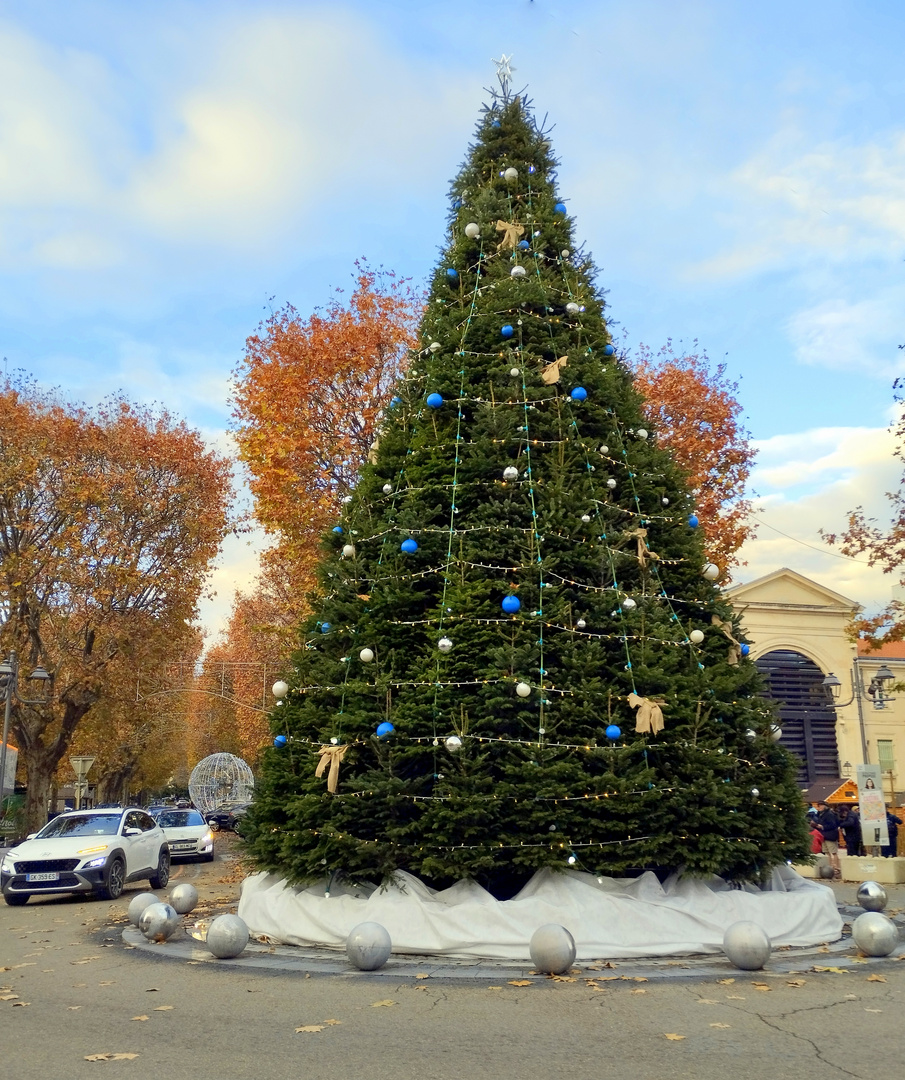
point(187, 833)
point(228, 817)
point(94, 851)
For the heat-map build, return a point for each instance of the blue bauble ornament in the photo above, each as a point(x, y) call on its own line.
point(560, 208)
point(745, 649)
point(384, 729)
point(338, 529)
point(579, 394)
point(496, 124)
point(608, 350)
point(613, 733)
point(395, 400)
point(511, 604)
point(693, 522)
point(408, 546)
point(507, 331)
point(326, 628)
point(452, 275)
point(458, 204)
point(523, 245)
point(435, 400)
point(531, 169)
point(280, 740)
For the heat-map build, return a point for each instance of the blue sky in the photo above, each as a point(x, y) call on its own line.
point(737, 170)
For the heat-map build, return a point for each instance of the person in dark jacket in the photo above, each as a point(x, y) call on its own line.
point(828, 824)
point(892, 827)
point(850, 824)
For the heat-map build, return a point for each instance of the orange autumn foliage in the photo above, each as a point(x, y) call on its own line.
point(696, 413)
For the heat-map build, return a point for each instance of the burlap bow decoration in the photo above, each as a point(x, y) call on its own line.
point(550, 373)
point(331, 756)
point(649, 717)
point(511, 231)
point(644, 552)
point(735, 646)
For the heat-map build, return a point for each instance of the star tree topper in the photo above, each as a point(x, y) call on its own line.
point(504, 70)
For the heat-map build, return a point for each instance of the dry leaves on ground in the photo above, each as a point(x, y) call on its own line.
point(795, 982)
point(140, 1018)
point(520, 982)
point(763, 987)
point(707, 1001)
point(721, 1026)
point(834, 970)
point(422, 975)
point(164, 1008)
point(876, 978)
point(387, 1002)
point(110, 1057)
point(638, 991)
point(673, 1037)
point(310, 1027)
point(725, 982)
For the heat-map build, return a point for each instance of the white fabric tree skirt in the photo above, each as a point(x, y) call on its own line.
point(608, 917)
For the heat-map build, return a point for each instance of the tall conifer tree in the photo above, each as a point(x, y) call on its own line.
point(515, 596)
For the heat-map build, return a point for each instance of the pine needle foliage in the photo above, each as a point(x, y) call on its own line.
point(593, 534)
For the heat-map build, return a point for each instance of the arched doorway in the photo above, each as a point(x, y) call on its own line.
point(808, 722)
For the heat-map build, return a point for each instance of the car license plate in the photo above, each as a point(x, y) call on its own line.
point(50, 875)
point(181, 847)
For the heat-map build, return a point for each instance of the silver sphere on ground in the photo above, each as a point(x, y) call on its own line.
point(746, 945)
point(872, 896)
point(227, 936)
point(184, 897)
point(824, 870)
point(158, 922)
point(875, 934)
point(138, 903)
point(368, 946)
point(552, 949)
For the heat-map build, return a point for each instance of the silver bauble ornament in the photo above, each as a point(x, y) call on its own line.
point(586, 518)
point(158, 922)
point(581, 624)
point(604, 449)
point(348, 551)
point(435, 346)
point(552, 949)
point(775, 732)
point(368, 946)
point(665, 501)
point(472, 230)
point(366, 655)
point(825, 871)
point(444, 645)
point(510, 473)
point(751, 733)
point(746, 945)
point(515, 372)
point(387, 489)
point(641, 433)
point(511, 173)
point(227, 936)
point(184, 897)
point(875, 934)
point(523, 689)
point(696, 637)
point(280, 689)
point(755, 793)
point(711, 571)
point(572, 308)
point(518, 271)
point(138, 903)
point(629, 604)
point(565, 253)
point(453, 744)
point(611, 483)
point(871, 896)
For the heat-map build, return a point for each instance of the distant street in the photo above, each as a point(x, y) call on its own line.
point(71, 990)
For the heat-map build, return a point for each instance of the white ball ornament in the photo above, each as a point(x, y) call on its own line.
point(515, 372)
point(510, 473)
point(746, 945)
point(629, 604)
point(184, 897)
point(472, 230)
point(572, 308)
point(871, 896)
point(604, 449)
point(552, 949)
point(641, 433)
point(517, 271)
point(775, 732)
point(696, 637)
point(348, 551)
point(444, 645)
point(611, 483)
point(565, 253)
point(280, 689)
point(158, 922)
point(366, 655)
point(227, 936)
point(581, 624)
point(511, 174)
point(586, 518)
point(665, 501)
point(138, 904)
point(751, 733)
point(711, 571)
point(387, 489)
point(368, 946)
point(875, 934)
point(523, 689)
point(453, 744)
point(755, 793)
point(435, 346)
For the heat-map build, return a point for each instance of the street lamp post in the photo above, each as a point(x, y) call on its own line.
point(876, 690)
point(9, 688)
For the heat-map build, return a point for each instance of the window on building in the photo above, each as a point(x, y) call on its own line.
point(886, 760)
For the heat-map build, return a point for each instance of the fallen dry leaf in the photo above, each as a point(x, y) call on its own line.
point(110, 1057)
point(639, 991)
point(519, 982)
point(140, 1018)
point(332, 1023)
point(386, 1001)
point(725, 982)
point(109, 982)
point(489, 988)
point(310, 1027)
point(721, 1025)
point(735, 997)
point(795, 982)
point(707, 1001)
point(763, 987)
point(673, 1037)
point(21, 1004)
point(834, 970)
point(561, 978)
point(876, 978)
point(73, 1008)
point(874, 1010)
point(164, 1008)
point(423, 975)
point(8, 997)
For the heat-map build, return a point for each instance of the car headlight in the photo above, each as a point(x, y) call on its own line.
point(208, 837)
point(95, 862)
point(9, 865)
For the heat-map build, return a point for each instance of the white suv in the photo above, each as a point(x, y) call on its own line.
point(87, 851)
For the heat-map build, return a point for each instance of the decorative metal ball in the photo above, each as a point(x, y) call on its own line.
point(138, 904)
point(434, 401)
point(572, 308)
point(751, 733)
point(158, 922)
point(629, 604)
point(472, 230)
point(444, 645)
point(825, 871)
point(641, 433)
point(280, 688)
point(518, 271)
point(387, 489)
point(368, 946)
point(510, 473)
point(227, 936)
point(871, 896)
point(875, 934)
point(453, 744)
point(746, 945)
point(611, 483)
point(552, 949)
point(696, 637)
point(523, 689)
point(755, 793)
point(366, 655)
point(581, 624)
point(711, 571)
point(511, 173)
point(184, 897)
point(348, 551)
point(220, 779)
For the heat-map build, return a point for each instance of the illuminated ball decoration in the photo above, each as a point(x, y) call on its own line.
point(444, 645)
point(613, 732)
point(518, 271)
point(220, 779)
point(579, 394)
point(453, 744)
point(506, 331)
point(434, 401)
point(279, 741)
point(384, 730)
point(746, 945)
point(409, 546)
point(511, 604)
point(696, 637)
point(523, 689)
point(280, 688)
point(510, 473)
point(366, 655)
point(472, 230)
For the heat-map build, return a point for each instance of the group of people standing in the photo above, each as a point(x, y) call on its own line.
point(826, 824)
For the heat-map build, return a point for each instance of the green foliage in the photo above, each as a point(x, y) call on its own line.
point(535, 783)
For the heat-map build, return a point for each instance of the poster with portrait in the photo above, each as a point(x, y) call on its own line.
point(9, 781)
point(872, 806)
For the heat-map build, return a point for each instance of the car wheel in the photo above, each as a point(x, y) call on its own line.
point(160, 879)
point(16, 899)
point(214, 826)
point(114, 881)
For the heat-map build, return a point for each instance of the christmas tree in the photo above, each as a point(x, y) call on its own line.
point(517, 656)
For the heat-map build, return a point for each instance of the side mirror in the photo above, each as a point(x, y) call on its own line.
point(31, 836)
point(132, 832)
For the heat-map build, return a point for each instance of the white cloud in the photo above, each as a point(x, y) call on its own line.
point(857, 336)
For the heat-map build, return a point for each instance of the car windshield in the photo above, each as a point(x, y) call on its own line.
point(82, 825)
point(179, 819)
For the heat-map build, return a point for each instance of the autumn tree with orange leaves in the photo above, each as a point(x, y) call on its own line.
point(109, 520)
point(698, 417)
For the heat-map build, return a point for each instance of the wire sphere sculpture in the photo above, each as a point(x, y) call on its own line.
point(219, 780)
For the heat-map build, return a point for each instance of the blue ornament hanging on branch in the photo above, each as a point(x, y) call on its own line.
point(693, 521)
point(452, 275)
point(560, 208)
point(435, 400)
point(280, 741)
point(385, 729)
point(507, 331)
point(409, 546)
point(613, 733)
point(608, 350)
point(579, 394)
point(511, 604)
